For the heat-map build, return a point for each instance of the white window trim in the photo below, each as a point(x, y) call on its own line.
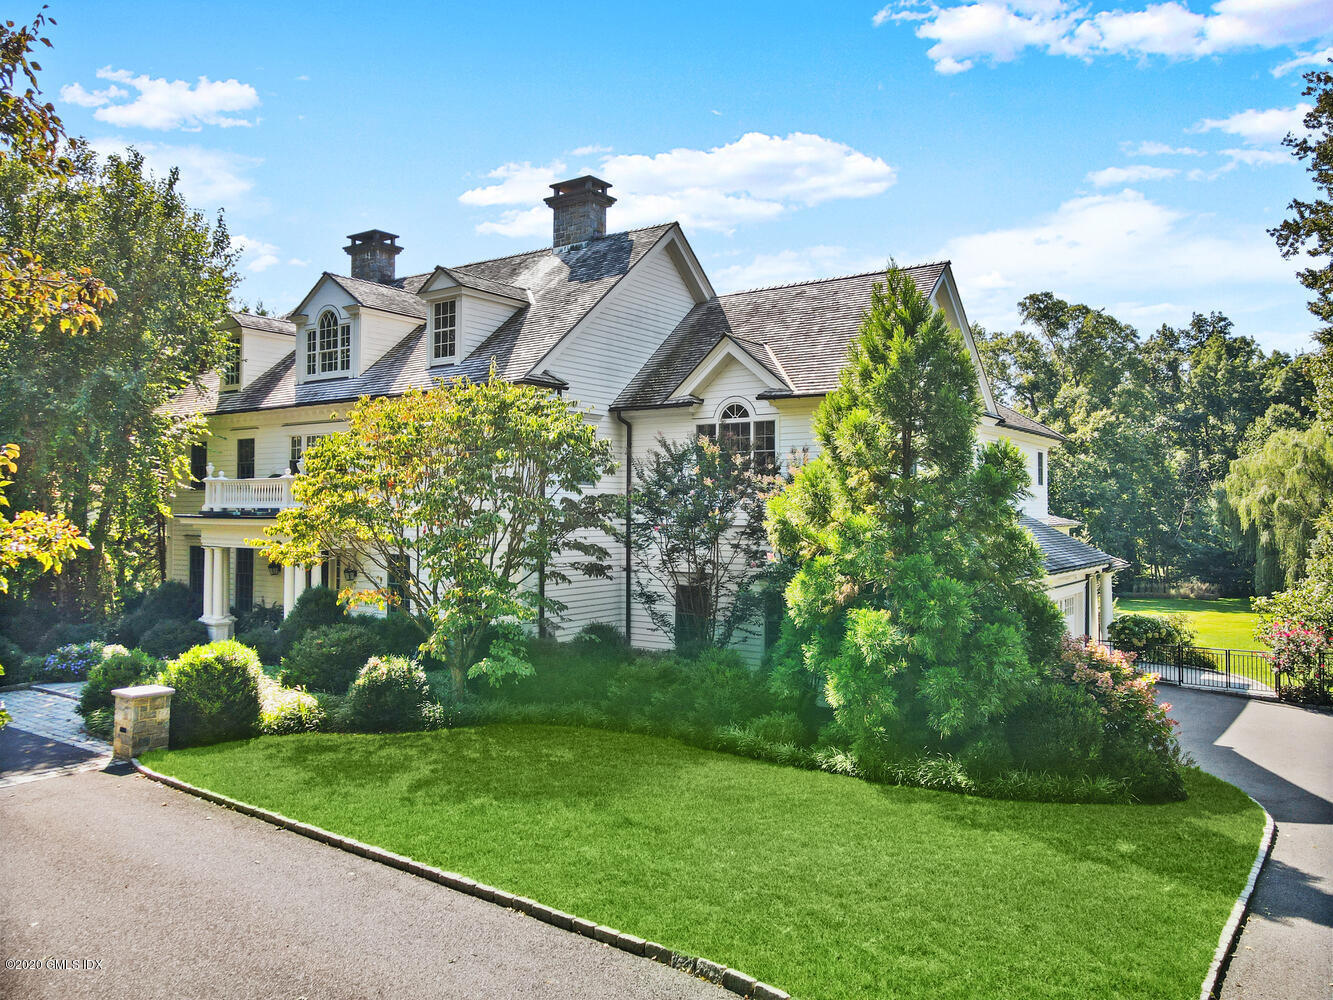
point(437, 360)
point(341, 321)
point(752, 408)
point(239, 341)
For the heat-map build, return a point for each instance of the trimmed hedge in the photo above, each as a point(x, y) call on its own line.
point(285, 710)
point(328, 658)
point(117, 670)
point(316, 607)
point(388, 696)
point(173, 637)
point(217, 694)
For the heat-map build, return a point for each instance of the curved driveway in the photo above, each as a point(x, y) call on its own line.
point(1283, 756)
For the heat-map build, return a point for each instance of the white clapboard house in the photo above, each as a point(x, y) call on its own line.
point(625, 323)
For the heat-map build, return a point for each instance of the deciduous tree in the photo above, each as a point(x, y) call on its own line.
point(468, 499)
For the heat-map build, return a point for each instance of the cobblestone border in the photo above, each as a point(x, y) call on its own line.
point(1226, 944)
point(729, 979)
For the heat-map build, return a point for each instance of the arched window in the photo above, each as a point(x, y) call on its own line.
point(328, 346)
point(738, 431)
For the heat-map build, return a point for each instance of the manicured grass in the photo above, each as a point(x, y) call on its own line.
point(827, 886)
point(1227, 622)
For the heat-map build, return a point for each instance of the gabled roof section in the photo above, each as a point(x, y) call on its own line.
point(1063, 554)
point(386, 298)
point(751, 355)
point(265, 324)
point(1009, 417)
point(560, 288)
point(465, 279)
point(805, 328)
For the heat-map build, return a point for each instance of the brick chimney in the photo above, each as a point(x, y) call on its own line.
point(579, 206)
point(372, 254)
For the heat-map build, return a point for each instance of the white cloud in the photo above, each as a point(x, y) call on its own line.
point(757, 177)
point(73, 93)
point(256, 255)
point(1111, 176)
point(1122, 248)
point(1320, 58)
point(163, 104)
point(1259, 128)
point(998, 31)
point(589, 150)
point(208, 177)
point(298, 262)
point(1258, 157)
point(1150, 148)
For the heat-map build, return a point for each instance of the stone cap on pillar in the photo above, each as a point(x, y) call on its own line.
point(143, 691)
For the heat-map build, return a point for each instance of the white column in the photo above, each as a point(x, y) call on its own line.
point(314, 574)
point(208, 584)
point(224, 604)
point(288, 589)
point(1106, 605)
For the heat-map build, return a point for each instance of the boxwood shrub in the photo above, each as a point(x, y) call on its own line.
point(389, 695)
point(316, 607)
point(117, 670)
point(172, 637)
point(328, 658)
point(287, 710)
point(217, 694)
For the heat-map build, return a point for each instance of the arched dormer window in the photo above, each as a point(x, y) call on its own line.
point(738, 431)
point(328, 348)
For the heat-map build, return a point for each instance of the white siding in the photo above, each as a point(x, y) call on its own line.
point(479, 318)
point(375, 334)
point(260, 351)
point(1035, 503)
point(598, 359)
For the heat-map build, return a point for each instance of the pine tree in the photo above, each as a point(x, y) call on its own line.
point(918, 597)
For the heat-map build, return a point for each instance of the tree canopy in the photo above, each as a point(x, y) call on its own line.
point(466, 499)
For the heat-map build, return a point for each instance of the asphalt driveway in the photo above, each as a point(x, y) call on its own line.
point(159, 894)
point(1282, 756)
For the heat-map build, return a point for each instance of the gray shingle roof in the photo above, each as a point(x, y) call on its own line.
point(467, 279)
point(1009, 417)
point(562, 287)
point(1062, 554)
point(268, 324)
point(804, 329)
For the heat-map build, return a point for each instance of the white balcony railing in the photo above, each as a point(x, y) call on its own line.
point(221, 493)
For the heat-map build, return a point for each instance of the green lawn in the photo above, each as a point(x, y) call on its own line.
point(826, 886)
point(1226, 622)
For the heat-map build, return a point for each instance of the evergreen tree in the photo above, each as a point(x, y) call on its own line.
point(918, 597)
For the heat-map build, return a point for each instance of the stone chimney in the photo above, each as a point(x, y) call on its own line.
point(580, 208)
point(372, 254)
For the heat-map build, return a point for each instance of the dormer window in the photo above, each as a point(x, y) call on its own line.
point(231, 366)
point(444, 331)
point(741, 433)
point(328, 346)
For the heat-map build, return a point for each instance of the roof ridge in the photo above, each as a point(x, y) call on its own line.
point(529, 253)
point(835, 277)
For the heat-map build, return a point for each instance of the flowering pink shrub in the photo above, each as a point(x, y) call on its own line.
point(1139, 741)
point(1298, 647)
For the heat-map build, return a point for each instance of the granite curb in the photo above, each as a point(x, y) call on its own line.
point(729, 979)
point(1226, 944)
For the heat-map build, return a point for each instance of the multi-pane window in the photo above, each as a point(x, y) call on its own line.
point(444, 330)
point(737, 431)
point(300, 445)
point(245, 580)
point(1041, 468)
point(328, 346)
point(692, 617)
point(197, 573)
point(231, 367)
point(245, 458)
point(198, 465)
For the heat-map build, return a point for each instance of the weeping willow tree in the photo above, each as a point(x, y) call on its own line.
point(1281, 493)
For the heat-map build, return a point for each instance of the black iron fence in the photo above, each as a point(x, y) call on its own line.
point(1241, 671)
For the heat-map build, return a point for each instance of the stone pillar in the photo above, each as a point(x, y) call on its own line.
point(142, 719)
point(1106, 605)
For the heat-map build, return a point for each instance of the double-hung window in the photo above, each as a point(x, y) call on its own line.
point(231, 366)
point(300, 445)
point(444, 331)
point(738, 431)
point(328, 346)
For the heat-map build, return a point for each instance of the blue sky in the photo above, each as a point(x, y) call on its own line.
point(1124, 155)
